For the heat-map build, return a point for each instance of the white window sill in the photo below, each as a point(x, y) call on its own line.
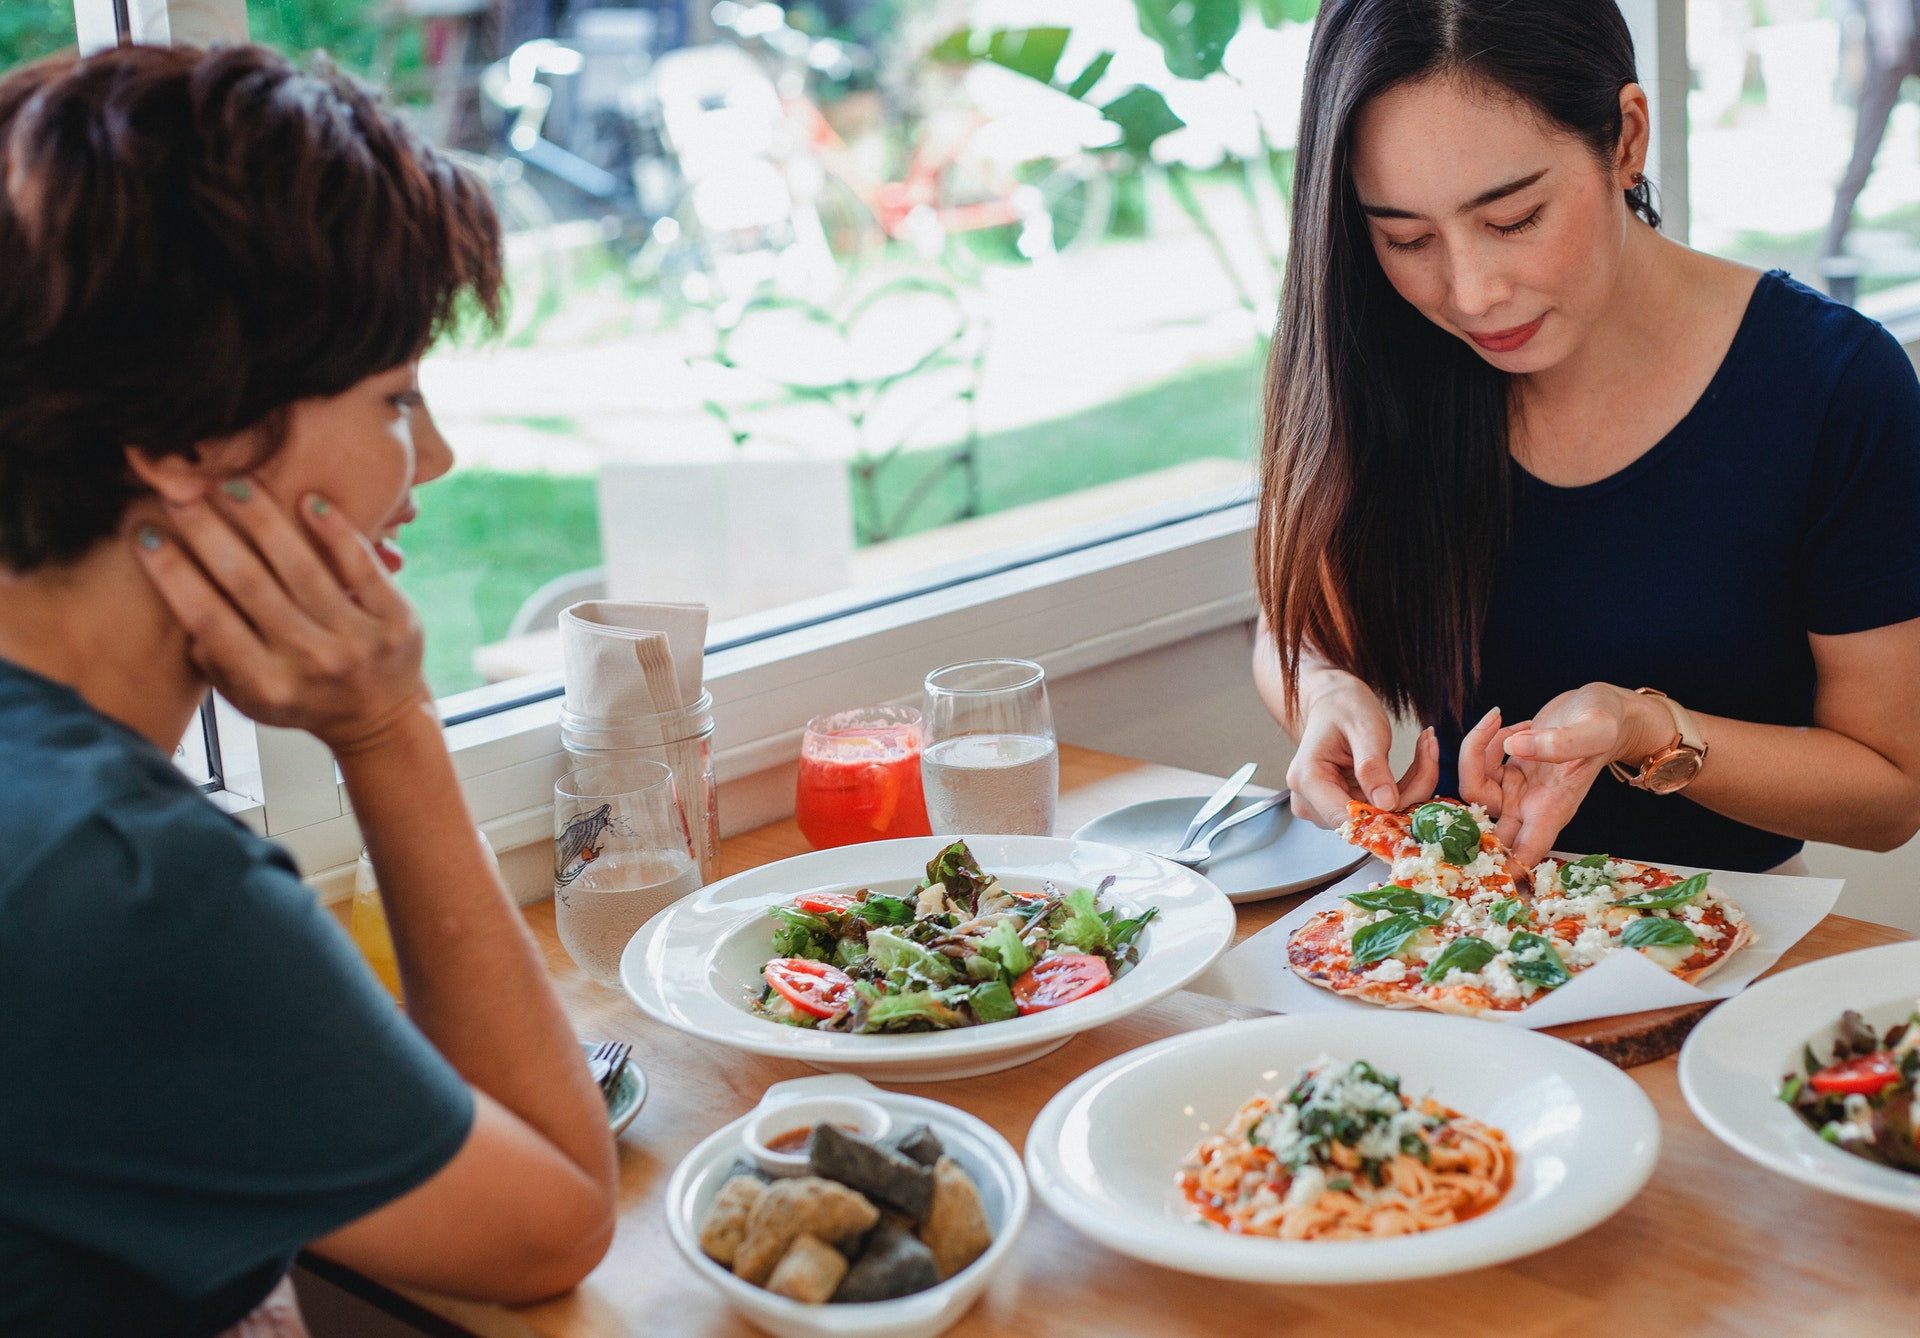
point(1073, 612)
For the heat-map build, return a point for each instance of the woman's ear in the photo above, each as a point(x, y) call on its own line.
point(182, 478)
point(1636, 132)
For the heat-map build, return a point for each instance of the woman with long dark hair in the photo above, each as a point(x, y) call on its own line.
point(1577, 497)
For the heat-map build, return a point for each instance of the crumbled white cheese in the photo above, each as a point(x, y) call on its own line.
point(1309, 1183)
point(1589, 946)
point(1390, 972)
point(1501, 983)
point(1383, 1140)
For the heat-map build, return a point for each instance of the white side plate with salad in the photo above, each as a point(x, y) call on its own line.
point(877, 975)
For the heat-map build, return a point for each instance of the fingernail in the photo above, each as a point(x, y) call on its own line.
point(1383, 796)
point(1520, 745)
point(148, 538)
point(237, 489)
point(320, 506)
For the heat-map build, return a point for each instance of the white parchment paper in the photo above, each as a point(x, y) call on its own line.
point(1780, 909)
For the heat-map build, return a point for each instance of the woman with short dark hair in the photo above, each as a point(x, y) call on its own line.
point(217, 275)
point(1577, 497)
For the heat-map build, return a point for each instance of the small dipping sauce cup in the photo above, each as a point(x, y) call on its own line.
point(777, 1137)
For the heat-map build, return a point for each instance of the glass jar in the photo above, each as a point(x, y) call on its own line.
point(683, 739)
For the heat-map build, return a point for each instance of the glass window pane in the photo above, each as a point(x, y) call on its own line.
point(193, 755)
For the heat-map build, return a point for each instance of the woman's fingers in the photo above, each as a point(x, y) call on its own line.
point(219, 635)
point(1579, 740)
point(352, 558)
point(1481, 765)
point(1418, 784)
point(233, 566)
point(255, 512)
point(1320, 791)
point(1367, 744)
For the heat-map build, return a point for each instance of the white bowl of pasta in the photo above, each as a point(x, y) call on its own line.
point(1231, 1152)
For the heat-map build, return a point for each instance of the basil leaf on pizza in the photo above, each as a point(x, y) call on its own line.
point(1584, 874)
point(1383, 938)
point(1665, 898)
point(1536, 959)
point(1404, 901)
point(1650, 931)
point(1463, 954)
point(1452, 828)
point(1510, 911)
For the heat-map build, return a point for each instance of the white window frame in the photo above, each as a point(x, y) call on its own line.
point(1106, 600)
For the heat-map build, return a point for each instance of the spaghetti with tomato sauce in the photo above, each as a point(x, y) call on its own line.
point(1343, 1155)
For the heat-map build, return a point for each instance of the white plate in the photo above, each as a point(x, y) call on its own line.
point(696, 965)
point(1267, 856)
point(1104, 1152)
point(987, 1157)
point(1733, 1062)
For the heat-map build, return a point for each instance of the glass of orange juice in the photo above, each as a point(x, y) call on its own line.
point(367, 923)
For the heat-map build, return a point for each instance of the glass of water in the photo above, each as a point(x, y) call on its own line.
point(621, 853)
point(990, 765)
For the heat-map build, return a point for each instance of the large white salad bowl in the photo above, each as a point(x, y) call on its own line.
point(1104, 1152)
point(697, 965)
point(1735, 1060)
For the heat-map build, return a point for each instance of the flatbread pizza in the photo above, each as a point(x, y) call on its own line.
point(1461, 929)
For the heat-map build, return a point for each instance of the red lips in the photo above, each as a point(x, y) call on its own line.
point(1506, 341)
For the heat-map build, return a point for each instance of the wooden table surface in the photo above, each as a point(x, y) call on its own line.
point(1713, 1244)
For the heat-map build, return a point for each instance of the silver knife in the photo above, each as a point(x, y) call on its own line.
point(1221, 798)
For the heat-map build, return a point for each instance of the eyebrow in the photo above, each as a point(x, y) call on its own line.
point(1484, 198)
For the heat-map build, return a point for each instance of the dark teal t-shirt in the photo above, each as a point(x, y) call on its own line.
point(198, 1074)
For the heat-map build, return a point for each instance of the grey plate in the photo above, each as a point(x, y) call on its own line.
point(1267, 857)
point(627, 1096)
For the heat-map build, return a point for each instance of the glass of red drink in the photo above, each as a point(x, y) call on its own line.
point(860, 777)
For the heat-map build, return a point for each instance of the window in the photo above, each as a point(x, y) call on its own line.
point(1798, 110)
point(963, 354)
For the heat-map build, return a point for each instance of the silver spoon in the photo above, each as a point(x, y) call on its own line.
point(1201, 851)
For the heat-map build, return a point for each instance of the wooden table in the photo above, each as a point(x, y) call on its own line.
point(1713, 1244)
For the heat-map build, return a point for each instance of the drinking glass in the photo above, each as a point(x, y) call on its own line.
point(860, 777)
point(367, 920)
point(991, 764)
point(621, 853)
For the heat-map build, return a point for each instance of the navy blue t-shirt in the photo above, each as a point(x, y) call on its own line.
point(198, 1074)
point(1784, 503)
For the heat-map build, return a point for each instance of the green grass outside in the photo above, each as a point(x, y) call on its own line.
point(485, 540)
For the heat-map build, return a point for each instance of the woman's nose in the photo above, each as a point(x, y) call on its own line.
point(432, 457)
point(1477, 284)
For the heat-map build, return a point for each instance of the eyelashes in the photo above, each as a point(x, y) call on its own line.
point(1515, 229)
point(1504, 229)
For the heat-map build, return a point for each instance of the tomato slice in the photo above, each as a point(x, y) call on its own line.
point(813, 987)
point(1869, 1075)
point(1060, 979)
point(823, 903)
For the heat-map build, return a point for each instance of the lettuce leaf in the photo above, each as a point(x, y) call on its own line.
point(912, 1007)
point(1003, 947)
point(1077, 923)
point(905, 962)
point(993, 1002)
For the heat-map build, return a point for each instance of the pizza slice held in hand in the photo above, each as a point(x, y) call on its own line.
point(1461, 929)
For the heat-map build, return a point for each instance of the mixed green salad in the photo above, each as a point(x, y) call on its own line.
point(1862, 1100)
point(959, 951)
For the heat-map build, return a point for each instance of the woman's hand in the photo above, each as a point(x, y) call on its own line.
point(1344, 738)
point(293, 620)
point(1533, 776)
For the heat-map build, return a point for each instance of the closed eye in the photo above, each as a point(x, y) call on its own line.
point(1515, 229)
point(1413, 245)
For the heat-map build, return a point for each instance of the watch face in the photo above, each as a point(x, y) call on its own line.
point(1671, 773)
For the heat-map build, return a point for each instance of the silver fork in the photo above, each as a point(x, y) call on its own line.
point(1202, 850)
point(607, 1062)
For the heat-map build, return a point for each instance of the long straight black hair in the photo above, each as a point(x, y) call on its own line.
point(1384, 472)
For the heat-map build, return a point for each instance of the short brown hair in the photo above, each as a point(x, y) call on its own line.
point(190, 242)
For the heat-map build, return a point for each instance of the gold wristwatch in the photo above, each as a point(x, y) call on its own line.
point(1673, 767)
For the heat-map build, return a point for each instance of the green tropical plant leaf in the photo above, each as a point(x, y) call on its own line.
point(1034, 52)
point(1143, 116)
point(1193, 33)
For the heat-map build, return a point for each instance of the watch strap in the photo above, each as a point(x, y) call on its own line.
point(1686, 736)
